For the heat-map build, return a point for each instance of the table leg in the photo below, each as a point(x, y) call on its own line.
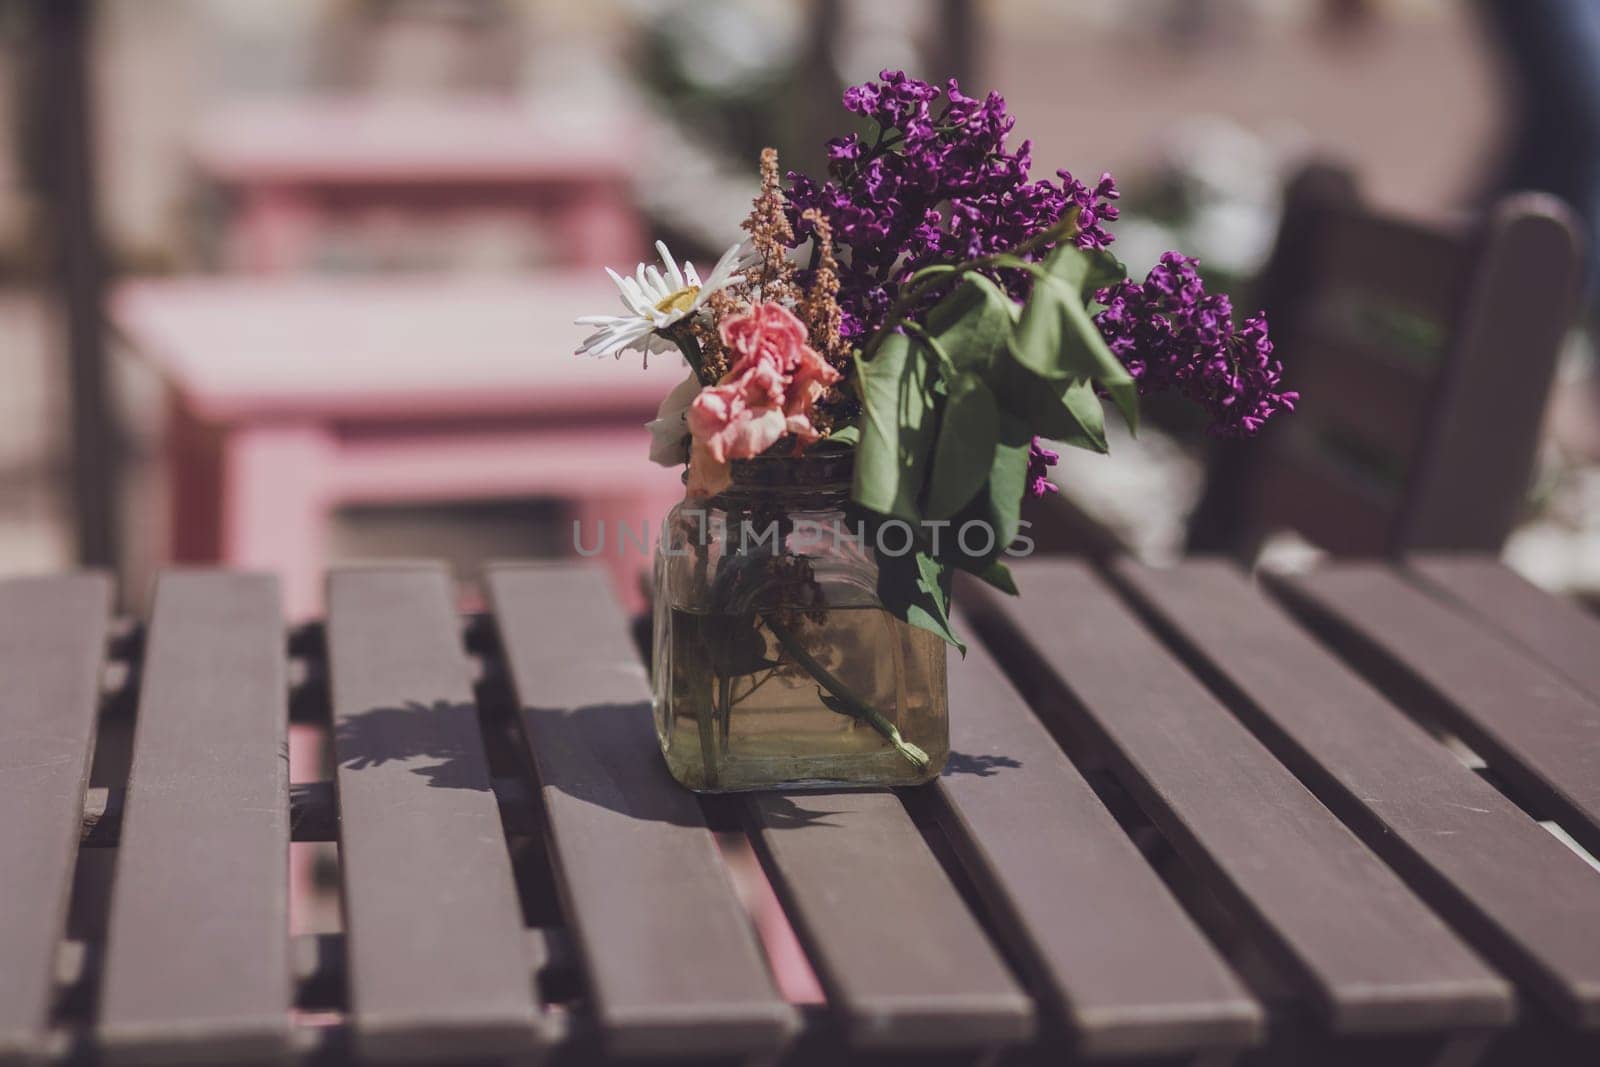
point(618, 531)
point(275, 508)
point(193, 450)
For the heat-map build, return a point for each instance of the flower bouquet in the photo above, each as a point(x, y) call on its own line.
point(871, 385)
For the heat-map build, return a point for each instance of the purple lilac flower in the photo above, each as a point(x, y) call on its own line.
point(933, 186)
point(1040, 460)
point(1172, 334)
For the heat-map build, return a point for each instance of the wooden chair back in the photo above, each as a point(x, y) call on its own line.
point(1424, 356)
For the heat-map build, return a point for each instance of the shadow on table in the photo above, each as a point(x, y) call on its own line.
point(446, 733)
point(603, 754)
point(984, 766)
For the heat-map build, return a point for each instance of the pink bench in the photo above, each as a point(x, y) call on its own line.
point(289, 163)
point(289, 398)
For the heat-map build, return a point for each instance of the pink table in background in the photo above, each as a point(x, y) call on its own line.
point(292, 397)
point(289, 163)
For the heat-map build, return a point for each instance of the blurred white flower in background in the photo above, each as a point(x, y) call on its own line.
point(1225, 182)
point(727, 47)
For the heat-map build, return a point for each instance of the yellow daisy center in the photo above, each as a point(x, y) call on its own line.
point(682, 300)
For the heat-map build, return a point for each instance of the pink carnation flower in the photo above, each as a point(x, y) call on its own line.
point(770, 390)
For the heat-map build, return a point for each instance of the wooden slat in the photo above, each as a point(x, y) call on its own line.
point(1466, 848)
point(313, 812)
point(1554, 629)
point(1376, 399)
point(1372, 958)
point(902, 961)
point(1532, 726)
point(1469, 487)
point(1305, 489)
point(672, 963)
point(434, 925)
point(317, 963)
point(1420, 267)
point(197, 963)
point(52, 642)
point(1110, 951)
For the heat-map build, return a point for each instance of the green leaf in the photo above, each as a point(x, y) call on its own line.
point(968, 432)
point(1087, 356)
point(1070, 264)
point(1040, 334)
point(998, 575)
point(1008, 481)
point(1085, 270)
point(1088, 418)
point(972, 322)
point(1068, 412)
point(946, 365)
point(1056, 337)
point(932, 271)
point(916, 587)
point(998, 505)
point(842, 437)
point(897, 427)
point(932, 612)
point(1104, 270)
point(1007, 260)
point(1084, 352)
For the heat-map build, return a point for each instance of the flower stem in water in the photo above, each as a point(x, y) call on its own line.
point(708, 748)
point(848, 702)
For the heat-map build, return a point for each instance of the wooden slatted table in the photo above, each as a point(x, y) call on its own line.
point(1348, 816)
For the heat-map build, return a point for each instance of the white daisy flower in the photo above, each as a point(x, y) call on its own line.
point(654, 302)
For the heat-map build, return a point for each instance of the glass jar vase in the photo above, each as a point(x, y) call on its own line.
point(775, 664)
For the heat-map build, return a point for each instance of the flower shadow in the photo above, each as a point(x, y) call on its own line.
point(441, 741)
point(784, 810)
point(986, 765)
point(604, 755)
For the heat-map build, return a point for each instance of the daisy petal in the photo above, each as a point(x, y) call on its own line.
point(672, 267)
point(721, 273)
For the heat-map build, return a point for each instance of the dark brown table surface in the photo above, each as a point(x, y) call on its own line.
point(1191, 817)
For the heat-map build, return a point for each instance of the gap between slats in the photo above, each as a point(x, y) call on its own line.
point(319, 969)
point(89, 903)
point(1418, 701)
point(556, 980)
point(674, 960)
point(1265, 979)
point(321, 983)
point(1415, 710)
point(314, 818)
point(1538, 1023)
point(1294, 1028)
point(314, 822)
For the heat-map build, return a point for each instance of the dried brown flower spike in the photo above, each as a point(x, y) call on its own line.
point(819, 308)
point(770, 235)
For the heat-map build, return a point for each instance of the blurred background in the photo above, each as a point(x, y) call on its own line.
point(291, 281)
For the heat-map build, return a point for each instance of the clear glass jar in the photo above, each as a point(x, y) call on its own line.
point(775, 664)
